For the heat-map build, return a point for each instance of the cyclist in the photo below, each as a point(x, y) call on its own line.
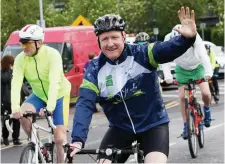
point(42, 67)
point(193, 64)
point(215, 67)
point(142, 38)
point(123, 79)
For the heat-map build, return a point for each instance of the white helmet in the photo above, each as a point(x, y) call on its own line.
point(32, 32)
point(175, 33)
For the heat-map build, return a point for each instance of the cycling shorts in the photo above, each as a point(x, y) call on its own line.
point(61, 112)
point(155, 139)
point(183, 76)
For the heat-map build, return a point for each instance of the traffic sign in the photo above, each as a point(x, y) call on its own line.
point(81, 21)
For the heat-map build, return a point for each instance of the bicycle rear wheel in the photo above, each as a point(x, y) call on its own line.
point(192, 137)
point(28, 154)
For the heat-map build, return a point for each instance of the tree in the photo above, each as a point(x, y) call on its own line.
point(217, 33)
point(143, 15)
point(18, 13)
point(139, 15)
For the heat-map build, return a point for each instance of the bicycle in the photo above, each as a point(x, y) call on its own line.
point(36, 151)
point(195, 119)
point(110, 151)
point(213, 92)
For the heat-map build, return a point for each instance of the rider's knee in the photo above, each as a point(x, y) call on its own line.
point(59, 140)
point(181, 99)
point(27, 107)
point(206, 96)
point(60, 135)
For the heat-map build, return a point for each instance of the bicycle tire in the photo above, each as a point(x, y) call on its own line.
point(193, 145)
point(201, 139)
point(28, 147)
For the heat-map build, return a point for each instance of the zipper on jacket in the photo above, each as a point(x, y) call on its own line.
point(125, 105)
point(40, 79)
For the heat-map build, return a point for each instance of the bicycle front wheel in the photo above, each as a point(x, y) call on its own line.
point(191, 133)
point(28, 154)
point(201, 136)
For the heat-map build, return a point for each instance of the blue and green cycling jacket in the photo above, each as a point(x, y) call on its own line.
point(129, 84)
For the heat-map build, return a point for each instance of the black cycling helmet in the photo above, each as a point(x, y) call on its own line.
point(142, 37)
point(207, 46)
point(109, 22)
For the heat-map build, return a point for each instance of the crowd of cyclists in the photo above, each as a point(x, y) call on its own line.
point(122, 79)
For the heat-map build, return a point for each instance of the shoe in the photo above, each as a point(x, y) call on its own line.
point(17, 142)
point(207, 119)
point(6, 142)
point(216, 97)
point(184, 134)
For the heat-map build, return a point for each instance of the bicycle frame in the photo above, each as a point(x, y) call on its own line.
point(38, 144)
point(34, 135)
point(190, 95)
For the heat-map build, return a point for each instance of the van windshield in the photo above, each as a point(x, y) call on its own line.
point(15, 49)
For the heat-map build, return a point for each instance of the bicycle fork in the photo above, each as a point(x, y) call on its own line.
point(34, 139)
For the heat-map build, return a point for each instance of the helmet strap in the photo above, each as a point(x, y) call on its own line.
point(36, 52)
point(99, 45)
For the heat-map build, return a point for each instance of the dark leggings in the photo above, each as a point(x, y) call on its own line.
point(154, 139)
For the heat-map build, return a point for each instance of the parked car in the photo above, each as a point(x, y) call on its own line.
point(130, 40)
point(74, 43)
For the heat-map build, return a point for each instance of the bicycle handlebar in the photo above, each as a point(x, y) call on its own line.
point(30, 114)
point(107, 151)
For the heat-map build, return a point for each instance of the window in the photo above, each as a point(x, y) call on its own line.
point(67, 57)
point(13, 50)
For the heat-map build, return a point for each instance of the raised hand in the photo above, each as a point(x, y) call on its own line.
point(187, 19)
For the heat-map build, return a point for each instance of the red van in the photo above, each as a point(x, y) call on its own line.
point(74, 44)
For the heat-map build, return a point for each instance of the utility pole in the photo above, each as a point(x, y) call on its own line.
point(155, 28)
point(41, 22)
point(202, 26)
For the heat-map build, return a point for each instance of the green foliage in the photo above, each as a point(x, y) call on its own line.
point(139, 15)
point(17, 13)
point(217, 32)
point(217, 35)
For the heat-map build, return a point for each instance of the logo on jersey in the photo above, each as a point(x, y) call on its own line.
point(109, 81)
